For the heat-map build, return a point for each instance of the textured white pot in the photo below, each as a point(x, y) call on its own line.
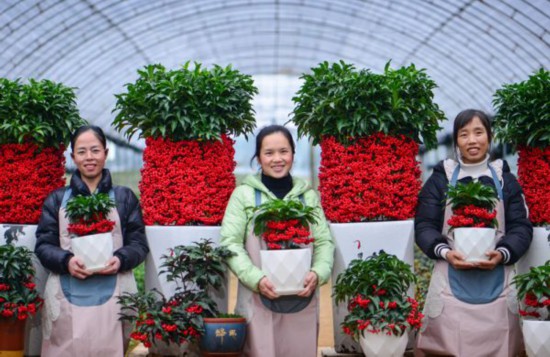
point(474, 242)
point(539, 250)
point(286, 269)
point(394, 237)
point(382, 345)
point(94, 249)
point(24, 235)
point(536, 335)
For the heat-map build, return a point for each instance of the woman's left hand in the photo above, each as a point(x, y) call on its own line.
point(495, 258)
point(112, 267)
point(310, 284)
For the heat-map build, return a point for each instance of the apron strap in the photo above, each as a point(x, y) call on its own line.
point(498, 184)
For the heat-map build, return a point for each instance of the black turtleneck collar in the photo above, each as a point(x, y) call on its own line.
point(79, 187)
point(280, 187)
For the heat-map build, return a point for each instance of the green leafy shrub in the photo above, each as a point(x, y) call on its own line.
point(338, 100)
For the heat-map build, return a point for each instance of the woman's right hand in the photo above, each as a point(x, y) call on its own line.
point(77, 268)
point(456, 259)
point(267, 289)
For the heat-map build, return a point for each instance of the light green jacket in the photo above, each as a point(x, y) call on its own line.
point(236, 226)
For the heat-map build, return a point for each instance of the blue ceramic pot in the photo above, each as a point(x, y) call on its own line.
point(223, 336)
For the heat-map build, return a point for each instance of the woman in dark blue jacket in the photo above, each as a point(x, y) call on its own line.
point(470, 307)
point(81, 310)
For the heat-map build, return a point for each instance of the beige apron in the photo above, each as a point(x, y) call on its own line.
point(271, 334)
point(454, 327)
point(80, 317)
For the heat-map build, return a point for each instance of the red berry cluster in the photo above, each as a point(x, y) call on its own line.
point(29, 174)
point(472, 216)
point(374, 178)
point(186, 182)
point(20, 301)
point(87, 228)
point(286, 234)
point(534, 177)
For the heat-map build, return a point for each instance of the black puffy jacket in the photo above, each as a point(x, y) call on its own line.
point(428, 222)
point(134, 249)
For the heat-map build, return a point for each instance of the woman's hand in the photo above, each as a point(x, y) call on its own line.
point(112, 266)
point(267, 288)
point(77, 268)
point(310, 284)
point(495, 258)
point(456, 259)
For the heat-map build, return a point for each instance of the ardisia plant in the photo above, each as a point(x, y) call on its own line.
point(369, 127)
point(18, 296)
point(88, 214)
point(36, 121)
point(196, 270)
point(284, 224)
point(375, 291)
point(186, 117)
point(473, 205)
point(533, 291)
point(522, 119)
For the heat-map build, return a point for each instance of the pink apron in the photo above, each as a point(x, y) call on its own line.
point(272, 334)
point(461, 321)
point(80, 317)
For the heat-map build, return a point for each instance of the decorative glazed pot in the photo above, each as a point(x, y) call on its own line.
point(223, 336)
point(12, 337)
point(286, 268)
point(474, 242)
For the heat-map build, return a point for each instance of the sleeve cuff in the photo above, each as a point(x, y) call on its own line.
point(505, 254)
point(441, 250)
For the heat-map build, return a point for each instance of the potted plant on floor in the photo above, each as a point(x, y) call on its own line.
point(369, 127)
point(186, 116)
point(522, 120)
point(36, 121)
point(284, 227)
point(473, 222)
point(91, 229)
point(380, 314)
point(178, 320)
point(19, 299)
point(533, 291)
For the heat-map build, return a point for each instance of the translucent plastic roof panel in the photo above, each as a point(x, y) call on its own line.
point(469, 47)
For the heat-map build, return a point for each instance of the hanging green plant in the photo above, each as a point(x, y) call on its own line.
point(187, 103)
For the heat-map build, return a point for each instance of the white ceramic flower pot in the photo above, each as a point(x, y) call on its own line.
point(24, 235)
point(474, 242)
point(383, 345)
point(95, 250)
point(286, 269)
point(539, 250)
point(394, 237)
point(536, 335)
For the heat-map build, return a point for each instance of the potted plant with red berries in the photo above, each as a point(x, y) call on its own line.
point(533, 291)
point(522, 120)
point(179, 320)
point(473, 222)
point(380, 314)
point(284, 227)
point(19, 299)
point(187, 117)
point(369, 126)
point(91, 229)
point(36, 122)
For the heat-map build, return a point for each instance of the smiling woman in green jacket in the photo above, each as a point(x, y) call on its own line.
point(273, 319)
